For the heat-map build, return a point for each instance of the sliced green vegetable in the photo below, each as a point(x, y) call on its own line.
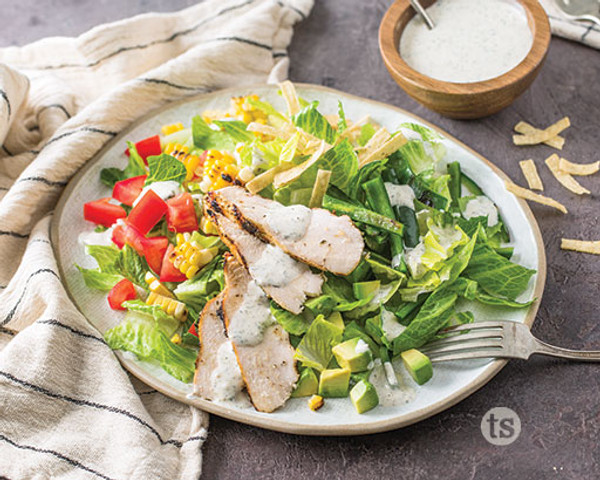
point(407, 217)
point(307, 385)
point(334, 383)
point(364, 396)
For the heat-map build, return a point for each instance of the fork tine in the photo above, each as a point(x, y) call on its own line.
point(465, 337)
point(459, 347)
point(488, 353)
point(475, 326)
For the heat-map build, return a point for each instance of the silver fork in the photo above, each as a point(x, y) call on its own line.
point(501, 339)
point(581, 10)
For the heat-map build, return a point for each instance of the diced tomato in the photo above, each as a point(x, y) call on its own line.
point(147, 212)
point(181, 214)
point(148, 147)
point(193, 330)
point(168, 272)
point(101, 212)
point(154, 251)
point(126, 191)
point(121, 292)
point(126, 234)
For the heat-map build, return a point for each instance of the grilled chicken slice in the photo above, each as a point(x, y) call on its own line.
point(287, 281)
point(218, 376)
point(267, 363)
point(314, 236)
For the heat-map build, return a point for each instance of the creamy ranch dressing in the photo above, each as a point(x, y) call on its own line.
point(252, 318)
point(96, 238)
point(400, 195)
point(361, 346)
point(473, 40)
point(226, 379)
point(390, 325)
point(289, 222)
point(275, 268)
point(390, 396)
point(164, 190)
point(482, 207)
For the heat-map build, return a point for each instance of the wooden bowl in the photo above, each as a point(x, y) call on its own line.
point(462, 100)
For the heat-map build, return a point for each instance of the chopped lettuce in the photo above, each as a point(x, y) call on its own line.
point(311, 121)
point(206, 138)
point(342, 124)
point(135, 167)
point(236, 129)
point(133, 267)
point(98, 280)
point(107, 257)
point(291, 323)
point(204, 286)
point(366, 132)
point(165, 168)
point(314, 350)
point(164, 321)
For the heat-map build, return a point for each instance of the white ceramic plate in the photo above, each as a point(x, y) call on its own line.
point(451, 381)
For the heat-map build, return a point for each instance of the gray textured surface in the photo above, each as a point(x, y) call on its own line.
point(559, 403)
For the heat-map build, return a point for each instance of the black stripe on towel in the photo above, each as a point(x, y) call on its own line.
point(13, 234)
point(79, 333)
point(94, 405)
point(11, 314)
point(295, 9)
point(56, 454)
point(146, 45)
point(158, 81)
point(247, 41)
point(8, 152)
point(5, 97)
point(55, 105)
point(45, 181)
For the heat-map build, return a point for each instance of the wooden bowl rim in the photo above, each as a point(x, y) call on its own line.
point(540, 29)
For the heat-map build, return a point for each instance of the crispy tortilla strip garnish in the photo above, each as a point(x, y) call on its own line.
point(384, 150)
point(291, 98)
point(578, 168)
point(527, 129)
point(531, 174)
point(319, 188)
point(262, 181)
point(283, 178)
point(581, 246)
point(541, 136)
point(354, 127)
point(377, 140)
point(565, 179)
point(534, 197)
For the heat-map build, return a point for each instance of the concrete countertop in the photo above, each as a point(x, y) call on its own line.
point(558, 402)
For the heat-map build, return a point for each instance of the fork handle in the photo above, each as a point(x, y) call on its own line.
point(584, 356)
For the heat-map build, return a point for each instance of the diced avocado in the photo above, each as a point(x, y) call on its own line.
point(307, 384)
point(354, 355)
point(364, 290)
point(337, 319)
point(334, 382)
point(418, 365)
point(364, 396)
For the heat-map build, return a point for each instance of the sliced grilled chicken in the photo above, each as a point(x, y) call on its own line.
point(267, 363)
point(314, 236)
point(218, 375)
point(284, 279)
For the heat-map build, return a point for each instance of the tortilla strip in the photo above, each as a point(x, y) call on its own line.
point(534, 197)
point(385, 150)
point(578, 168)
point(541, 136)
point(287, 176)
point(565, 179)
point(291, 98)
point(531, 174)
point(581, 246)
point(319, 188)
point(527, 129)
point(377, 140)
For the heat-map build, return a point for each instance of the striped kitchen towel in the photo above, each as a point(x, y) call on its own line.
point(67, 408)
point(587, 33)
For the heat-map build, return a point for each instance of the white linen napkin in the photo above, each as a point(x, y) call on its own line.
point(67, 408)
point(584, 32)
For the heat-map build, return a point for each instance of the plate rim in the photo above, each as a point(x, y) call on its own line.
point(350, 429)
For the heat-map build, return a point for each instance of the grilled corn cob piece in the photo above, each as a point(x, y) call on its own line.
point(169, 305)
point(169, 129)
point(181, 152)
point(188, 257)
point(155, 286)
point(219, 171)
point(208, 227)
point(246, 112)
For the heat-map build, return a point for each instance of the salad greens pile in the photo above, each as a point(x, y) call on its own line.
point(434, 242)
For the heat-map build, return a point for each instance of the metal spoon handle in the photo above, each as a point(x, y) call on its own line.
point(421, 11)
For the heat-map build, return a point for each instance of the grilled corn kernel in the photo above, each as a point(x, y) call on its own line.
point(168, 305)
point(220, 170)
point(169, 129)
point(315, 402)
point(208, 227)
point(188, 257)
point(176, 339)
point(157, 287)
point(181, 152)
point(246, 112)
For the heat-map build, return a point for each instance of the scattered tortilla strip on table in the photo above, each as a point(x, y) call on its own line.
point(531, 174)
point(578, 168)
point(534, 197)
point(541, 136)
point(291, 98)
point(527, 129)
point(565, 179)
point(319, 188)
point(582, 246)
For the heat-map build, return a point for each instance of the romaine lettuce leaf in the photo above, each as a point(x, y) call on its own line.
point(293, 324)
point(366, 132)
point(314, 350)
point(165, 168)
point(342, 124)
point(107, 257)
point(204, 286)
point(500, 302)
point(164, 321)
point(98, 280)
point(207, 138)
point(311, 121)
point(135, 166)
point(354, 330)
point(133, 267)
point(236, 129)
point(139, 334)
